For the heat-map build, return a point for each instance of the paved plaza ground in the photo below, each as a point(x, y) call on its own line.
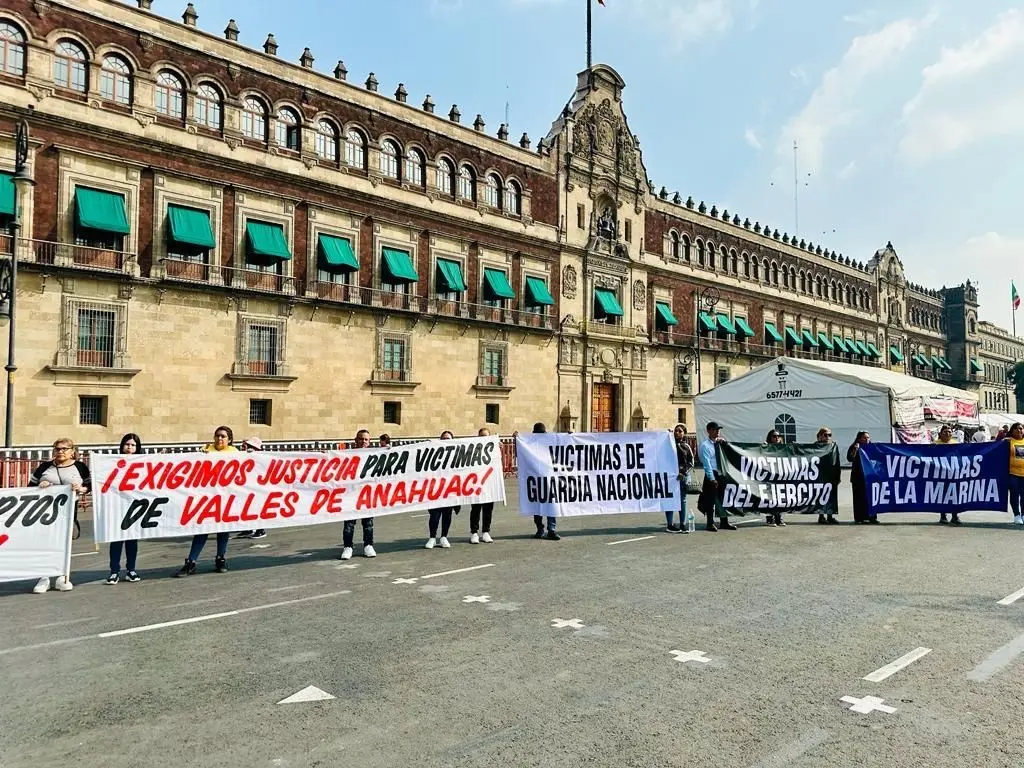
point(471, 668)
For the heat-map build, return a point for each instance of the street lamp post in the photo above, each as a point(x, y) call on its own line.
point(704, 298)
point(9, 271)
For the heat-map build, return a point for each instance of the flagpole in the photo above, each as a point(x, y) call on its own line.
point(590, 8)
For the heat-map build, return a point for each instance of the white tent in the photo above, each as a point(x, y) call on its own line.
point(993, 422)
point(797, 397)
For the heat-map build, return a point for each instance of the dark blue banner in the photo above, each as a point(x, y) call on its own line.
point(935, 478)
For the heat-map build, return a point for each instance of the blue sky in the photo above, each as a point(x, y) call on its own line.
point(909, 114)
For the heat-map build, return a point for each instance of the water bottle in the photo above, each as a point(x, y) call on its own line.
point(690, 524)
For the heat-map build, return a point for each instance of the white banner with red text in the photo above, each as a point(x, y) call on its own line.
point(601, 473)
point(35, 532)
point(154, 496)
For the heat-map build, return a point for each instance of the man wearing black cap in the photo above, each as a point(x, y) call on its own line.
point(538, 520)
point(708, 499)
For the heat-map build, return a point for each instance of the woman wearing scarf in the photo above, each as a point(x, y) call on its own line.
point(684, 456)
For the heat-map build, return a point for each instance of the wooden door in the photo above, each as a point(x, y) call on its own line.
point(602, 408)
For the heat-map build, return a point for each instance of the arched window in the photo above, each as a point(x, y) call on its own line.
point(768, 271)
point(792, 278)
point(817, 286)
point(209, 107)
point(746, 265)
point(389, 154)
point(775, 274)
point(711, 255)
point(833, 293)
point(116, 80)
point(785, 277)
point(414, 164)
point(700, 253)
point(467, 183)
point(686, 248)
point(803, 281)
point(785, 425)
point(254, 119)
point(734, 264)
point(446, 176)
point(492, 191)
point(724, 253)
point(327, 141)
point(673, 237)
point(70, 67)
point(12, 50)
point(513, 198)
point(169, 97)
point(355, 149)
point(286, 129)
point(756, 265)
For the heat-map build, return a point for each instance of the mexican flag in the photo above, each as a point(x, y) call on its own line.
point(1014, 296)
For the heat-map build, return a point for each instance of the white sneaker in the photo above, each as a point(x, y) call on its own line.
point(1017, 519)
point(474, 538)
point(369, 551)
point(443, 541)
point(346, 553)
point(42, 586)
point(62, 584)
point(486, 538)
point(430, 543)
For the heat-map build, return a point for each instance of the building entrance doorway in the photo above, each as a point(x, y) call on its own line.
point(603, 415)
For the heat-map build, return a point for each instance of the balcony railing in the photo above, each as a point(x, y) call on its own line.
point(609, 329)
point(5, 244)
point(78, 256)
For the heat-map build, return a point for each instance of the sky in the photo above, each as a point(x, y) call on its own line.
point(908, 114)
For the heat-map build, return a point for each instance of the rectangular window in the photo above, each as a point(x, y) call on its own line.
point(684, 380)
point(393, 360)
point(259, 412)
point(629, 231)
point(263, 347)
point(392, 412)
point(492, 413)
point(581, 217)
point(96, 338)
point(722, 375)
point(92, 410)
point(493, 366)
point(680, 415)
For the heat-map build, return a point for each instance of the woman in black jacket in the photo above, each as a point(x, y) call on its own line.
point(857, 484)
point(130, 444)
point(442, 515)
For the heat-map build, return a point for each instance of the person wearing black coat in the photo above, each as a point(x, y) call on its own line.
point(857, 484)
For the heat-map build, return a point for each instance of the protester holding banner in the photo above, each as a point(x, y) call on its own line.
point(442, 515)
point(250, 445)
point(476, 510)
point(684, 456)
point(223, 442)
point(774, 520)
point(946, 438)
point(63, 469)
point(130, 444)
point(538, 520)
point(824, 438)
point(1015, 482)
point(348, 531)
point(857, 484)
point(709, 502)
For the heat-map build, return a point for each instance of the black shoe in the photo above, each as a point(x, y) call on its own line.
point(554, 536)
point(779, 521)
point(955, 520)
point(831, 520)
point(821, 520)
point(711, 527)
point(942, 518)
point(260, 534)
point(539, 534)
point(220, 565)
point(113, 579)
point(132, 576)
point(188, 569)
point(725, 525)
point(872, 521)
point(672, 528)
point(244, 535)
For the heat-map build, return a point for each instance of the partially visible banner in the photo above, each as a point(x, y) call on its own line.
point(601, 473)
point(936, 478)
point(788, 477)
point(153, 496)
point(35, 532)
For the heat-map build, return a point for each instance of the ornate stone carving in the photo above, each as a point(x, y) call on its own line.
point(39, 92)
point(600, 131)
point(309, 162)
point(145, 41)
point(570, 351)
point(234, 71)
point(41, 7)
point(639, 295)
point(143, 119)
point(191, 128)
point(232, 142)
point(569, 280)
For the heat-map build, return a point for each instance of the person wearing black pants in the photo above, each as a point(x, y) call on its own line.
point(857, 484)
point(442, 516)
point(707, 502)
point(538, 520)
point(475, 511)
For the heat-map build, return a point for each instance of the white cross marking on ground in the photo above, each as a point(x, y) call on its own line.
point(405, 581)
point(344, 566)
point(867, 705)
point(476, 599)
point(685, 656)
point(563, 623)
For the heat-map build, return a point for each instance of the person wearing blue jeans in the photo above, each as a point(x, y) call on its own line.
point(1016, 477)
point(538, 520)
point(130, 444)
point(684, 454)
point(223, 442)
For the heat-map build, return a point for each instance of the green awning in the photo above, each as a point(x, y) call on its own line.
point(336, 254)
point(852, 348)
point(808, 338)
point(772, 333)
point(449, 277)
point(6, 194)
point(895, 355)
point(725, 324)
point(921, 360)
point(792, 337)
point(537, 293)
point(944, 364)
point(976, 366)
point(840, 344)
point(607, 302)
point(496, 285)
point(190, 226)
point(824, 341)
point(103, 211)
point(872, 350)
point(398, 266)
point(665, 313)
point(936, 361)
point(742, 329)
point(707, 322)
point(861, 349)
point(266, 240)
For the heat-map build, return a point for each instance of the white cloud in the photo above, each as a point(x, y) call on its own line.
point(994, 261)
point(833, 103)
point(799, 73)
point(684, 21)
point(970, 94)
point(751, 138)
point(848, 170)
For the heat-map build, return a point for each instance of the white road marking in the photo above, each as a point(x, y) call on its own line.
point(570, 623)
point(997, 660)
point(83, 554)
point(50, 644)
point(307, 694)
point(457, 570)
point(296, 586)
point(66, 623)
point(1011, 599)
point(789, 753)
point(419, 515)
point(194, 602)
point(685, 656)
point(297, 554)
point(867, 705)
point(746, 520)
point(889, 670)
point(404, 581)
point(476, 599)
point(628, 541)
point(259, 546)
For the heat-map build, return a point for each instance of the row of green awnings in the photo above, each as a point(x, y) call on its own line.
point(607, 303)
point(537, 293)
point(938, 361)
point(895, 356)
point(665, 316)
point(976, 366)
point(398, 267)
point(101, 211)
point(7, 197)
point(921, 360)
